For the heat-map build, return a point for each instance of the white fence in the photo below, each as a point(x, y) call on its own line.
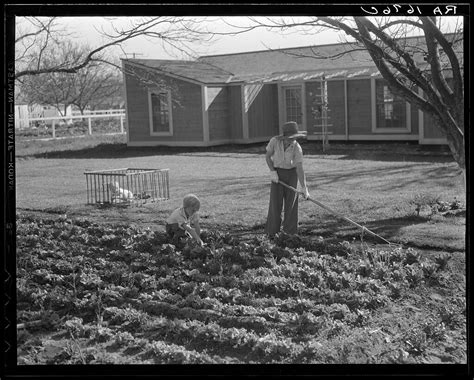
point(98, 112)
point(23, 112)
point(104, 114)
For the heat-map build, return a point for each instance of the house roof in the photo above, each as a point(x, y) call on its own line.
point(195, 70)
point(307, 75)
point(311, 59)
point(290, 60)
point(342, 60)
point(210, 74)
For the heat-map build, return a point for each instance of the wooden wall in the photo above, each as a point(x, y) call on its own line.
point(359, 107)
point(262, 105)
point(414, 120)
point(186, 108)
point(235, 111)
point(218, 113)
point(226, 116)
point(336, 113)
point(336, 104)
point(430, 129)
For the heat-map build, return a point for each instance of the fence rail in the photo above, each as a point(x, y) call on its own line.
point(98, 112)
point(89, 118)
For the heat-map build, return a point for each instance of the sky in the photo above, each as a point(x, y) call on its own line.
point(83, 28)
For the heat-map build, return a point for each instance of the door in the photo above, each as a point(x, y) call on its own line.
point(293, 105)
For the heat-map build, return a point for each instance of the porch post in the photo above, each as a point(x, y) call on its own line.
point(281, 104)
point(245, 115)
point(373, 105)
point(408, 116)
point(346, 108)
point(304, 120)
point(421, 121)
point(205, 115)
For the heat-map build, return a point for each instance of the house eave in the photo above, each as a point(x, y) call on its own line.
point(176, 76)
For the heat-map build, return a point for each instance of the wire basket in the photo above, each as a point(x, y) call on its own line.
point(127, 186)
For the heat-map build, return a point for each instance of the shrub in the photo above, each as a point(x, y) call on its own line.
point(423, 199)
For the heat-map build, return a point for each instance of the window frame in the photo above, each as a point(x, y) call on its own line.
point(407, 110)
point(282, 114)
point(170, 113)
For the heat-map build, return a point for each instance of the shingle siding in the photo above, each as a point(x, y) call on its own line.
point(235, 112)
point(218, 113)
point(336, 107)
point(359, 106)
point(186, 109)
point(255, 114)
point(431, 130)
point(263, 110)
point(414, 120)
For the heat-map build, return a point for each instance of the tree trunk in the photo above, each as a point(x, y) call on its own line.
point(456, 145)
point(457, 149)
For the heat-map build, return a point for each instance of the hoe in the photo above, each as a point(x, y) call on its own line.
point(364, 229)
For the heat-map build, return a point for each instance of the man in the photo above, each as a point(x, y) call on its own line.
point(285, 160)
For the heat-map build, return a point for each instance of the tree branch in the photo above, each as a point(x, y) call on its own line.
point(177, 33)
point(391, 43)
point(401, 22)
point(43, 28)
point(436, 70)
point(433, 32)
point(394, 84)
point(378, 56)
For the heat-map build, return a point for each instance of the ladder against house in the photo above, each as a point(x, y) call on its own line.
point(320, 112)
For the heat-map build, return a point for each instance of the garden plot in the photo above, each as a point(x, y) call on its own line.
point(92, 293)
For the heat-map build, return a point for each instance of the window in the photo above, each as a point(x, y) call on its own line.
point(391, 109)
point(160, 113)
point(293, 104)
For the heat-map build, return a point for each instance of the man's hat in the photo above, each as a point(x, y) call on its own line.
point(290, 129)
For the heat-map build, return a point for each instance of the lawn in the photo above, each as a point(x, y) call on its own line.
point(370, 184)
point(100, 285)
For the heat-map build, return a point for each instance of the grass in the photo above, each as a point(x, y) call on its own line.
point(375, 185)
point(31, 148)
point(372, 184)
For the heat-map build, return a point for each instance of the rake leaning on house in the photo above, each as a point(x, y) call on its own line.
point(284, 157)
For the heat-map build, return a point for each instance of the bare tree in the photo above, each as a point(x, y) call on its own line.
point(56, 89)
point(94, 84)
point(40, 40)
point(85, 88)
point(38, 35)
point(435, 85)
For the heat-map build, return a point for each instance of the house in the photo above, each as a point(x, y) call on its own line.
point(246, 97)
point(24, 112)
